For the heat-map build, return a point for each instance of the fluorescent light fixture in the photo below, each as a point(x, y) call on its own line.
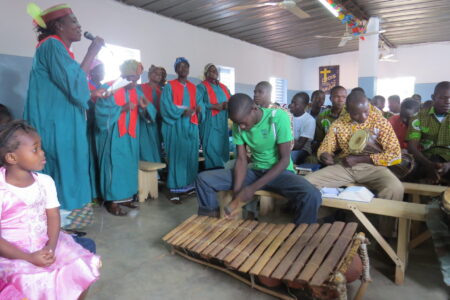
point(329, 7)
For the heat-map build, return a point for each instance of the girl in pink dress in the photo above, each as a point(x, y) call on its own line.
point(37, 261)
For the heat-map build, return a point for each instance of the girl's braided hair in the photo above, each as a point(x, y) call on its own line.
point(8, 137)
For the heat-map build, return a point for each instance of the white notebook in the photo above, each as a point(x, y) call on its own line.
point(352, 193)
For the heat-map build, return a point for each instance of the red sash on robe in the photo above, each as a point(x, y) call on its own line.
point(148, 93)
point(177, 95)
point(212, 96)
point(59, 39)
point(120, 98)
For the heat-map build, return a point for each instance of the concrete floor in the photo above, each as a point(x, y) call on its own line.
point(137, 263)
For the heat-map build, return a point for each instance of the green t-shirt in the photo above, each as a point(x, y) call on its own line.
point(263, 138)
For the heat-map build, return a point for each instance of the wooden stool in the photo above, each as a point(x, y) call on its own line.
point(148, 179)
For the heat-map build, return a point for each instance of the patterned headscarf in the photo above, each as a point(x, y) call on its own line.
point(205, 70)
point(41, 18)
point(131, 67)
point(179, 60)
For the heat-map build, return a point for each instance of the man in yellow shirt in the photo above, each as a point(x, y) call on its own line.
point(369, 170)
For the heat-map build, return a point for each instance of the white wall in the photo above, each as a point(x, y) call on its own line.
point(428, 63)
point(160, 40)
point(348, 69)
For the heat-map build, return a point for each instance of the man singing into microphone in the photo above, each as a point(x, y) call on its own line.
point(57, 101)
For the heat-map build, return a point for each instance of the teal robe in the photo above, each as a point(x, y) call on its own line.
point(92, 131)
point(56, 105)
point(118, 156)
point(149, 141)
point(214, 130)
point(181, 139)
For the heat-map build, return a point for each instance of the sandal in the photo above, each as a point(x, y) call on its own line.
point(175, 199)
point(129, 205)
point(114, 209)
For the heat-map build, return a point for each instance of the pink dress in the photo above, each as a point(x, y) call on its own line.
point(24, 225)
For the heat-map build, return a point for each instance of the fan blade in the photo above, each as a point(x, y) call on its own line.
point(343, 42)
point(298, 12)
point(242, 7)
point(327, 37)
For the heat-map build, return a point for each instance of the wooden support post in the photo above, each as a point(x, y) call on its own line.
point(402, 248)
point(400, 267)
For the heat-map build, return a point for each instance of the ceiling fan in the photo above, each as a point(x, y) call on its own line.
point(348, 36)
point(289, 5)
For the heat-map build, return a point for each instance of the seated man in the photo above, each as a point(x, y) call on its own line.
point(316, 105)
point(380, 102)
point(369, 170)
point(267, 133)
point(429, 137)
point(328, 116)
point(304, 127)
point(400, 122)
point(394, 104)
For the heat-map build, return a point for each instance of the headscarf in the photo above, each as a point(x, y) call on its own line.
point(152, 69)
point(205, 70)
point(41, 18)
point(131, 67)
point(179, 60)
point(96, 62)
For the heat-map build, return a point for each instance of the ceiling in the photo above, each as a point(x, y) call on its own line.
point(405, 22)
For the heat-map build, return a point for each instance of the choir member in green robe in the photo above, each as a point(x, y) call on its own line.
point(95, 78)
point(181, 114)
point(149, 136)
point(214, 128)
point(57, 101)
point(117, 119)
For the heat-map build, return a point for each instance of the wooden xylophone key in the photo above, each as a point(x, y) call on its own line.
point(238, 249)
point(226, 241)
point(321, 251)
point(215, 232)
point(265, 257)
point(283, 251)
point(306, 253)
point(197, 231)
point(289, 259)
point(250, 262)
point(230, 227)
point(179, 228)
point(247, 251)
point(334, 257)
point(205, 231)
point(185, 234)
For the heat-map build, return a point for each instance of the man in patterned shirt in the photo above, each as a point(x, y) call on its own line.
point(369, 170)
point(429, 137)
point(328, 116)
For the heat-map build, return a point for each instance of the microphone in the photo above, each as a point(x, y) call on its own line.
point(89, 35)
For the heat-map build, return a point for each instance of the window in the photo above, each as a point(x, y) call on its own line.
point(113, 56)
point(402, 86)
point(226, 76)
point(279, 90)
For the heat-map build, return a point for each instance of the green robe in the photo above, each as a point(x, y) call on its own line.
point(149, 141)
point(118, 156)
point(214, 130)
point(56, 105)
point(181, 139)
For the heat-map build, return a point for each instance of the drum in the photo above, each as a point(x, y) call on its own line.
point(403, 169)
point(363, 142)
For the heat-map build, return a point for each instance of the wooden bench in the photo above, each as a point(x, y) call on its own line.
point(148, 179)
point(404, 211)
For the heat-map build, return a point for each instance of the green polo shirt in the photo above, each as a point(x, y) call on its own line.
point(263, 138)
point(434, 136)
point(323, 123)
